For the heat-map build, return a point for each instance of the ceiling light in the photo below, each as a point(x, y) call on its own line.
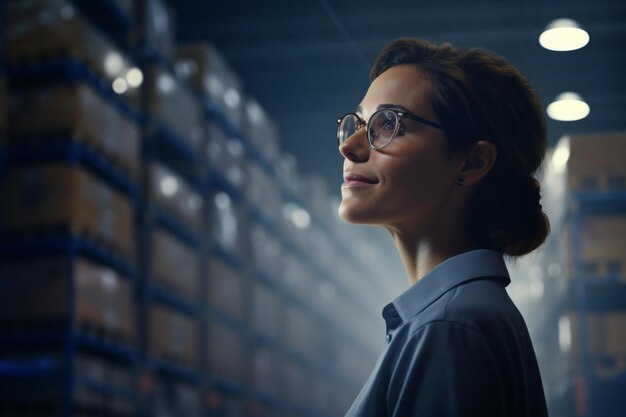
point(168, 186)
point(134, 77)
point(568, 107)
point(563, 35)
point(120, 86)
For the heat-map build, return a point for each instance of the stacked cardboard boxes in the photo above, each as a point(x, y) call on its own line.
point(226, 352)
point(36, 295)
point(59, 111)
point(176, 399)
point(172, 192)
point(56, 196)
point(21, 396)
point(266, 310)
point(592, 250)
point(173, 336)
point(227, 223)
point(174, 105)
point(226, 289)
point(225, 154)
point(174, 264)
point(596, 165)
point(43, 30)
point(210, 75)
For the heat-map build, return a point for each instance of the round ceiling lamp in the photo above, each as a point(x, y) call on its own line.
point(563, 35)
point(568, 107)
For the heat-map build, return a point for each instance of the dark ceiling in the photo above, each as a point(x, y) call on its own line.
point(307, 61)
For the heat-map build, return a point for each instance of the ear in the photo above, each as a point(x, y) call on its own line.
point(478, 162)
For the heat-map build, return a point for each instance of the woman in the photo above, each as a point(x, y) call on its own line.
point(441, 152)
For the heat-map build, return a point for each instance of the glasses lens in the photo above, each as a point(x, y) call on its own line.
point(382, 127)
point(347, 126)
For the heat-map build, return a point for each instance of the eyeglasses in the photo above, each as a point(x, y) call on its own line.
point(381, 128)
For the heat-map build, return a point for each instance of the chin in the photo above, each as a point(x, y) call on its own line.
point(357, 215)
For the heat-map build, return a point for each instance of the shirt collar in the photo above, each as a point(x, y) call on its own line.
point(447, 275)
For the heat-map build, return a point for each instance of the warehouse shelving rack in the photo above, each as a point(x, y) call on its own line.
point(590, 294)
point(203, 178)
point(69, 339)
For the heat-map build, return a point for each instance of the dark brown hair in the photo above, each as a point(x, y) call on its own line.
point(478, 95)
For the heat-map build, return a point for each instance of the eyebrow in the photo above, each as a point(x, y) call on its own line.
point(359, 108)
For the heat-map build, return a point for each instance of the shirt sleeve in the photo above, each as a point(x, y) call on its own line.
point(445, 369)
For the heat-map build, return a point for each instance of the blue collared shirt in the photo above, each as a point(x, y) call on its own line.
point(456, 346)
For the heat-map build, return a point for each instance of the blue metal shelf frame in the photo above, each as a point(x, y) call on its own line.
point(230, 258)
point(74, 153)
point(162, 217)
point(169, 369)
point(185, 152)
point(71, 71)
point(69, 245)
point(160, 143)
point(107, 390)
point(171, 299)
point(227, 386)
point(220, 182)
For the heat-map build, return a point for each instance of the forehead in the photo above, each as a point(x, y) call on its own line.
point(405, 85)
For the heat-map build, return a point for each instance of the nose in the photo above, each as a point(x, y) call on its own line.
point(356, 148)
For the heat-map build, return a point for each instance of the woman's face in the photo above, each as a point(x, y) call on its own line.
point(413, 176)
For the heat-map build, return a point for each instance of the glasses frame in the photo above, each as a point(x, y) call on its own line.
point(400, 114)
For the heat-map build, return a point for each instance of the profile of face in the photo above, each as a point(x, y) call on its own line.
point(410, 181)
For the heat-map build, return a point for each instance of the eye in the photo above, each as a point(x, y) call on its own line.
point(385, 121)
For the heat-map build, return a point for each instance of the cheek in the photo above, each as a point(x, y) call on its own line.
point(418, 183)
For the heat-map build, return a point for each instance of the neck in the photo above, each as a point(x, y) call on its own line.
point(422, 251)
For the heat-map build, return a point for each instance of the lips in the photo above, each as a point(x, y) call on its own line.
point(350, 176)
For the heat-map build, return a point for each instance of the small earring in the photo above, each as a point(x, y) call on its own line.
point(460, 180)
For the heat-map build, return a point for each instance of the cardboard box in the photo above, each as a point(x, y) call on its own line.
point(173, 104)
point(54, 195)
point(261, 130)
point(174, 398)
point(605, 334)
point(81, 113)
point(224, 404)
point(299, 331)
point(174, 264)
point(297, 383)
point(50, 29)
point(596, 161)
point(602, 243)
point(209, 74)
point(226, 289)
point(173, 336)
point(227, 222)
point(287, 172)
point(225, 353)
point(170, 191)
point(266, 311)
point(35, 295)
point(226, 155)
point(262, 191)
point(267, 252)
point(265, 370)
